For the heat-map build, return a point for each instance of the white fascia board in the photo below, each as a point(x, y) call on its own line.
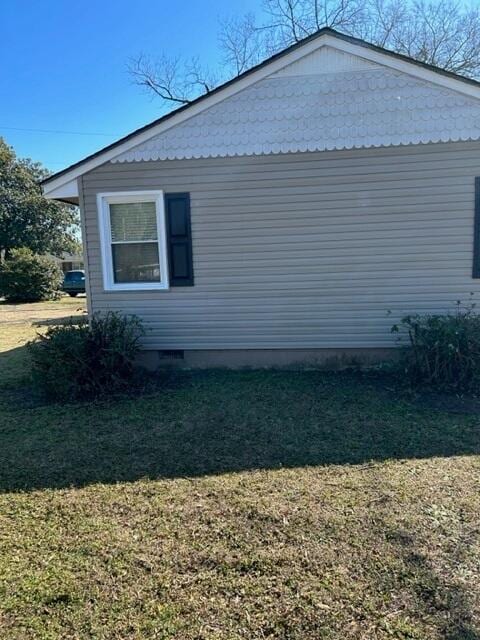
point(242, 83)
point(63, 191)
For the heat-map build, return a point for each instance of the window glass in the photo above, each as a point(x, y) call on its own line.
point(136, 262)
point(133, 221)
point(135, 253)
point(74, 276)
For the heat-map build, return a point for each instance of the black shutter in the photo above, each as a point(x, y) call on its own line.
point(179, 239)
point(476, 232)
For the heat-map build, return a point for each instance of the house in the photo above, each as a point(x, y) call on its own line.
point(68, 261)
point(292, 214)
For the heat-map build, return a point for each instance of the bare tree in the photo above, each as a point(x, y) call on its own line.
point(241, 42)
point(444, 33)
point(172, 79)
point(292, 20)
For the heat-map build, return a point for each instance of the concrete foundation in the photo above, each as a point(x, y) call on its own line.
point(327, 359)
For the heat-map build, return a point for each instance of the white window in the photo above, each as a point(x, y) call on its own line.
point(133, 240)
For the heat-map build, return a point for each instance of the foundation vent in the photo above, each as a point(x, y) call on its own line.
point(171, 354)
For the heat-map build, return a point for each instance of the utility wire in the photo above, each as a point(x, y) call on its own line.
point(73, 133)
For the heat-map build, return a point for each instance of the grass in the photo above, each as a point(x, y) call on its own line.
point(228, 505)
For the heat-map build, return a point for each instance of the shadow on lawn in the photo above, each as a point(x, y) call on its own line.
point(216, 422)
point(433, 588)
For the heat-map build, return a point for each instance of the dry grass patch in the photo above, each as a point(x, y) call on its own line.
point(379, 551)
point(20, 322)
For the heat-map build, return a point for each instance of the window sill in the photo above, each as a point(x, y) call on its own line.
point(138, 287)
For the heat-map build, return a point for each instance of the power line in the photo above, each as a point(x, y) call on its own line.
point(73, 133)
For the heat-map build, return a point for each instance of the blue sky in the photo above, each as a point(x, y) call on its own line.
point(64, 67)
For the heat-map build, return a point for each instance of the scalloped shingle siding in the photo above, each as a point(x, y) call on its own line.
point(341, 110)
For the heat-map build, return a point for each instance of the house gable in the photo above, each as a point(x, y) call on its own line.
point(327, 100)
point(326, 59)
point(328, 92)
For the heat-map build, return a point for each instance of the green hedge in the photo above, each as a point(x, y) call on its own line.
point(26, 277)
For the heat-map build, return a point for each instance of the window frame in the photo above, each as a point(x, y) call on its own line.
point(104, 200)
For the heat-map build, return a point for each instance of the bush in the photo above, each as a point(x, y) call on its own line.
point(26, 277)
point(77, 361)
point(443, 350)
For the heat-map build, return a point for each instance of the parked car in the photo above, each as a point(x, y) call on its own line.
point(74, 282)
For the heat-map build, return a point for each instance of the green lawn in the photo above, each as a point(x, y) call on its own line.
point(234, 505)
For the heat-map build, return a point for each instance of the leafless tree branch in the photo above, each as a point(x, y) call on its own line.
point(241, 42)
point(171, 79)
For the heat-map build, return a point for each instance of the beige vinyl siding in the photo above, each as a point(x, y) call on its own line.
point(305, 250)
